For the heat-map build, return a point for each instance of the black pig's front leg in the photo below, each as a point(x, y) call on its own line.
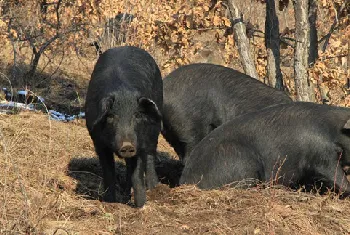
point(150, 172)
point(107, 163)
point(136, 173)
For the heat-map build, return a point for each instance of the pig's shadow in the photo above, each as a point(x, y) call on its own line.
point(87, 171)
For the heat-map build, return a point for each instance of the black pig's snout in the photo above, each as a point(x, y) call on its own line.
point(127, 150)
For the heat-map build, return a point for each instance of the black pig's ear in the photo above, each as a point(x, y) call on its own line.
point(105, 105)
point(149, 107)
point(347, 125)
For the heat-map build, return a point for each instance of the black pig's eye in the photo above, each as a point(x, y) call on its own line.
point(111, 118)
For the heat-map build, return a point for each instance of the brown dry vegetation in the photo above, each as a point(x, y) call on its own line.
point(174, 32)
point(51, 179)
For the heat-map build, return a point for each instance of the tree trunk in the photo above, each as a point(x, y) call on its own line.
point(348, 66)
point(242, 42)
point(272, 43)
point(303, 86)
point(37, 54)
point(313, 54)
point(33, 66)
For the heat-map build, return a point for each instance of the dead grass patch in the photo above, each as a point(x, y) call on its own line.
point(38, 189)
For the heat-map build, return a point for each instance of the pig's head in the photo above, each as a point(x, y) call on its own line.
point(128, 123)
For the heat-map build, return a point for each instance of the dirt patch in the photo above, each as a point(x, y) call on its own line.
point(51, 182)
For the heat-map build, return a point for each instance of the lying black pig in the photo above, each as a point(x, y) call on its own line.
point(296, 144)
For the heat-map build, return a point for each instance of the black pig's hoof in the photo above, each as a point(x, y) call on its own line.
point(139, 198)
point(140, 201)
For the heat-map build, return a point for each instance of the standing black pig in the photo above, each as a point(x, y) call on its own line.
point(200, 97)
point(123, 115)
point(294, 144)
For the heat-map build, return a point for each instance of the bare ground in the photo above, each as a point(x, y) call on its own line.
point(51, 181)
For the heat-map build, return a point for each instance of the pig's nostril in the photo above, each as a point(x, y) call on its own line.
point(127, 150)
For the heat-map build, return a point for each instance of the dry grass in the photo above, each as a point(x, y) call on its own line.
point(50, 183)
point(51, 180)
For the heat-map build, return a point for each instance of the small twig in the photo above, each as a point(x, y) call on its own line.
point(28, 38)
point(285, 40)
point(85, 66)
point(50, 60)
point(47, 64)
point(334, 26)
point(328, 35)
point(9, 83)
point(336, 56)
point(58, 25)
point(63, 229)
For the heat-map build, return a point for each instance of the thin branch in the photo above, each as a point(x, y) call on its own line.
point(57, 35)
point(59, 64)
point(43, 47)
point(328, 35)
point(85, 66)
point(58, 26)
point(13, 43)
point(29, 37)
point(31, 43)
point(285, 40)
point(336, 56)
point(47, 64)
point(334, 26)
point(288, 38)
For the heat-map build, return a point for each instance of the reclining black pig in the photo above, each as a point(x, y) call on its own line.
point(295, 144)
point(123, 115)
point(200, 97)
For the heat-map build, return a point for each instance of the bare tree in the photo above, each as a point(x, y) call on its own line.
point(343, 7)
point(241, 40)
point(39, 49)
point(313, 53)
point(38, 24)
point(272, 43)
point(304, 87)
